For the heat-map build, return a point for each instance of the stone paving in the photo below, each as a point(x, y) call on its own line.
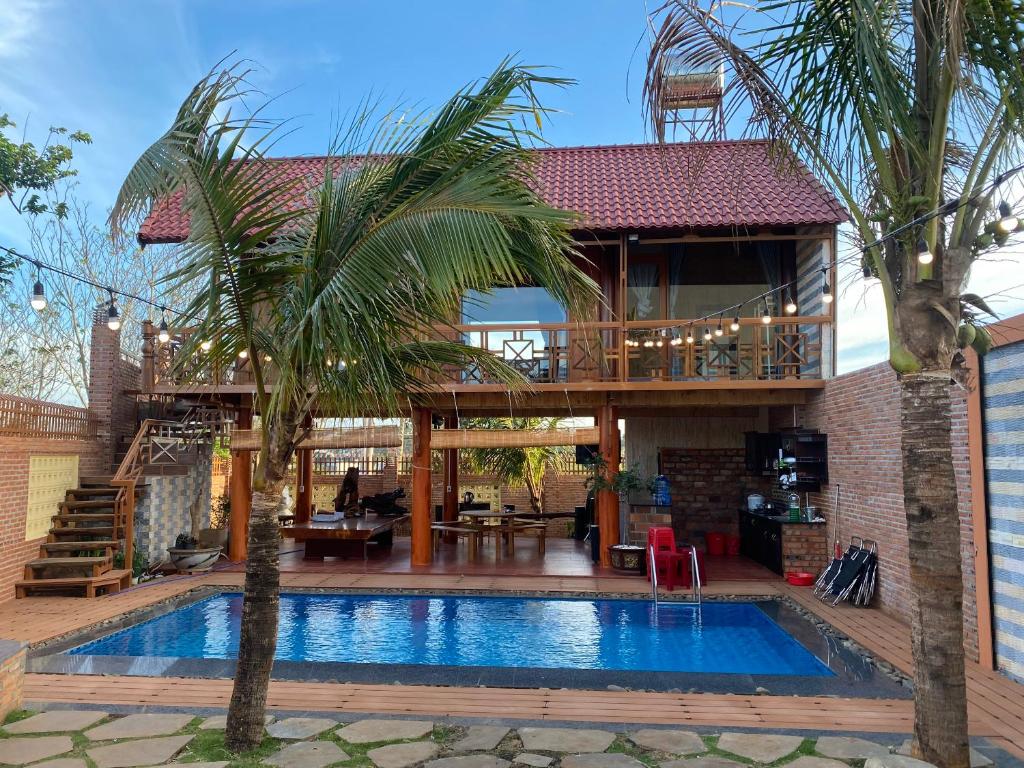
point(92, 739)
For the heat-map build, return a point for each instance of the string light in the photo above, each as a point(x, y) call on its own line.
point(113, 316)
point(707, 333)
point(735, 324)
point(164, 335)
point(790, 304)
point(38, 300)
point(205, 345)
point(924, 254)
point(766, 318)
point(826, 290)
point(689, 335)
point(1007, 222)
point(718, 331)
point(243, 354)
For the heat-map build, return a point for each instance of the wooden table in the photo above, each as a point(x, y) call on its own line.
point(505, 529)
point(338, 539)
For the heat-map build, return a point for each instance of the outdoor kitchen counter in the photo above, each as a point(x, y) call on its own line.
point(782, 546)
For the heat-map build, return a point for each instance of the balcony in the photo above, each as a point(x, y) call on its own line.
point(556, 355)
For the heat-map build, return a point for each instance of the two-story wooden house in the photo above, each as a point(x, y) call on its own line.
point(717, 261)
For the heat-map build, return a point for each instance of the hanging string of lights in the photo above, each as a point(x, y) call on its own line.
point(39, 302)
point(1006, 223)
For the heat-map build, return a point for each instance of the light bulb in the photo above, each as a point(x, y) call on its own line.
point(734, 325)
point(689, 336)
point(38, 300)
point(924, 255)
point(826, 293)
point(113, 318)
point(243, 354)
point(648, 343)
point(164, 335)
point(707, 334)
point(205, 345)
point(718, 330)
point(1007, 221)
point(790, 306)
point(766, 318)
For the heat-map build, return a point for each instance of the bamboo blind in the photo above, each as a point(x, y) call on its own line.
point(343, 437)
point(512, 438)
point(23, 417)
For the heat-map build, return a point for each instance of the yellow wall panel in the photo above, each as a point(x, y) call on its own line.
point(49, 477)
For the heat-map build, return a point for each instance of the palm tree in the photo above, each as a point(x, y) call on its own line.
point(331, 287)
point(517, 466)
point(910, 111)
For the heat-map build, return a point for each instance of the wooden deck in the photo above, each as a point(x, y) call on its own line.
point(996, 705)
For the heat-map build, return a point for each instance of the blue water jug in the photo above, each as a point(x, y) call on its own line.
point(661, 492)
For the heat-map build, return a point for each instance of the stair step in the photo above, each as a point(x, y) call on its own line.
point(110, 491)
point(79, 546)
point(89, 504)
point(88, 566)
point(99, 517)
point(91, 530)
point(109, 582)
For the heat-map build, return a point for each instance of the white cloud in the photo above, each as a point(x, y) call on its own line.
point(19, 22)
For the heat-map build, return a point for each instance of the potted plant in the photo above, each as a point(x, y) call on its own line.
point(217, 534)
point(188, 556)
point(624, 482)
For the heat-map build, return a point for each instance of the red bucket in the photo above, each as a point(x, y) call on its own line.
point(800, 578)
point(715, 543)
point(732, 545)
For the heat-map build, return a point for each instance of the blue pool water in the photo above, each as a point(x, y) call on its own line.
point(483, 631)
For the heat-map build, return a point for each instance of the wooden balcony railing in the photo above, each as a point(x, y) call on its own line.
point(560, 353)
point(24, 417)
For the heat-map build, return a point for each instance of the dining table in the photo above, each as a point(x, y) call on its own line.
point(504, 524)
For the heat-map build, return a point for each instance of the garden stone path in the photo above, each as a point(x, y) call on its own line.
point(60, 721)
point(212, 764)
point(469, 761)
point(566, 739)
point(896, 761)
point(373, 731)
point(672, 742)
point(140, 752)
point(139, 726)
point(601, 760)
point(300, 727)
point(712, 761)
point(534, 761)
point(849, 747)
point(807, 761)
point(978, 760)
point(220, 722)
point(307, 754)
point(481, 738)
point(402, 755)
point(759, 747)
point(28, 749)
point(62, 762)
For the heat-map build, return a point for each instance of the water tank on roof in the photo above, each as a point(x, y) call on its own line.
point(690, 99)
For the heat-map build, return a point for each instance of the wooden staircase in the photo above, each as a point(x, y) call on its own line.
point(96, 521)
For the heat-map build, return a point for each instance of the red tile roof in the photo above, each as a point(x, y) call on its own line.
point(635, 186)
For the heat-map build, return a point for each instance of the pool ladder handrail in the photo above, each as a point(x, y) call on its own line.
point(695, 581)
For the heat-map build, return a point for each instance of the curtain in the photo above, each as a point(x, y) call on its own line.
point(769, 253)
point(644, 296)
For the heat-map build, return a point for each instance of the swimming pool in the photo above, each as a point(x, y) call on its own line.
point(471, 631)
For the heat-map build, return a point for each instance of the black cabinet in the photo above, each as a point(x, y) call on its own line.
point(762, 451)
point(761, 540)
point(804, 451)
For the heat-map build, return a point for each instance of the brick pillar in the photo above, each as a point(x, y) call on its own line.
point(105, 393)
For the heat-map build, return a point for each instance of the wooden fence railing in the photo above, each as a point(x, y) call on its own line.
point(24, 417)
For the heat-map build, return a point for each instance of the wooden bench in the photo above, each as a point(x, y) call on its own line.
point(519, 525)
point(472, 532)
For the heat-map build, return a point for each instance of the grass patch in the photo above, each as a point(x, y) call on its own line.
point(623, 746)
point(208, 746)
point(18, 714)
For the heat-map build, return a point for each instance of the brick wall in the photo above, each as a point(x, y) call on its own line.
point(110, 377)
point(708, 487)
point(804, 548)
point(12, 675)
point(14, 467)
point(860, 412)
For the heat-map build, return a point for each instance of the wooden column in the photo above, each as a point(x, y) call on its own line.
point(608, 501)
point(304, 481)
point(241, 495)
point(450, 506)
point(422, 546)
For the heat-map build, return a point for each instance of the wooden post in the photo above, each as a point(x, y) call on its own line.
point(450, 509)
point(422, 545)
point(148, 356)
point(241, 495)
point(304, 480)
point(608, 501)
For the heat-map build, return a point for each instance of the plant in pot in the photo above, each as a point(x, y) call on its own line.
point(624, 482)
point(187, 556)
point(217, 534)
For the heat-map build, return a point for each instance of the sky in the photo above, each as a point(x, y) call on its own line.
point(118, 69)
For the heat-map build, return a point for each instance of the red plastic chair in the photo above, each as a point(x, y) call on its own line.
point(668, 561)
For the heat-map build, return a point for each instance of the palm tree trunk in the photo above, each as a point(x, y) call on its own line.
point(933, 525)
point(258, 640)
point(533, 491)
